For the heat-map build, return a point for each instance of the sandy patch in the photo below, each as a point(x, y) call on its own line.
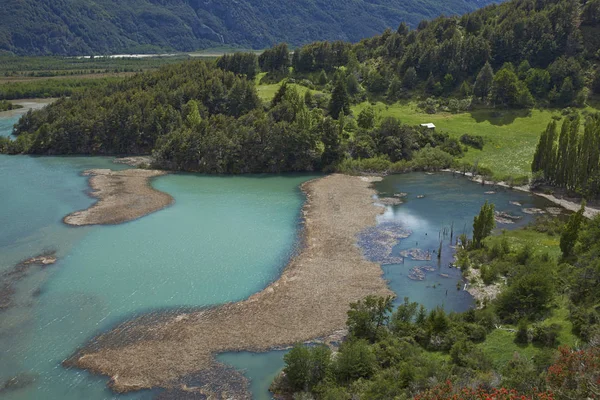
point(27, 104)
point(122, 196)
point(309, 300)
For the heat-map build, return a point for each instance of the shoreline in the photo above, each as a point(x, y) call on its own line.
point(122, 196)
point(27, 104)
point(309, 300)
point(568, 204)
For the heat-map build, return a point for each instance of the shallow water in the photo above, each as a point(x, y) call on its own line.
point(449, 200)
point(223, 239)
point(7, 123)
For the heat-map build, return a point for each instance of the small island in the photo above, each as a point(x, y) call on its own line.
point(122, 196)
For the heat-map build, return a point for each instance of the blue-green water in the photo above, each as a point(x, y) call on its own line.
point(222, 240)
point(6, 125)
point(448, 200)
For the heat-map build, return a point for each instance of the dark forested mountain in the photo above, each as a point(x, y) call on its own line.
point(70, 27)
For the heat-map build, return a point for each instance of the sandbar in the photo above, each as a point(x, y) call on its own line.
point(122, 196)
point(310, 300)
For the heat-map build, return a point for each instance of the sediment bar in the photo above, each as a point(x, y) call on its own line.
point(308, 301)
point(122, 196)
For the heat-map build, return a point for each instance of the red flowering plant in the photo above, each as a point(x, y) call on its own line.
point(447, 391)
point(576, 373)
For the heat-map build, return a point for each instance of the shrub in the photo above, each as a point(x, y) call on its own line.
point(474, 141)
point(545, 335)
point(431, 159)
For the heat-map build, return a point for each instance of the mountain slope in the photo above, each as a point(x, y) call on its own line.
point(71, 27)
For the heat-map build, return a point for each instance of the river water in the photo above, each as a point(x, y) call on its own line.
point(224, 239)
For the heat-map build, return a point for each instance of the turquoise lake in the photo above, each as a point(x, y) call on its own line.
point(222, 240)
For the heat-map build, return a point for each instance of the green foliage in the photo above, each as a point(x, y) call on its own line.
point(474, 141)
point(431, 159)
point(483, 224)
point(368, 317)
point(484, 81)
point(139, 26)
point(355, 360)
point(306, 366)
point(340, 102)
point(7, 106)
point(568, 238)
point(528, 296)
point(275, 59)
point(240, 64)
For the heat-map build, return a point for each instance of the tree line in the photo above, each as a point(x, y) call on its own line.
point(569, 159)
point(195, 116)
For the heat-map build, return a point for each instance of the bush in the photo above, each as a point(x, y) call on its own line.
point(522, 335)
point(431, 159)
point(545, 335)
point(474, 141)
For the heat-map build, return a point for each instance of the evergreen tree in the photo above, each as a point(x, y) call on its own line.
point(280, 94)
point(484, 81)
point(567, 93)
point(322, 79)
point(403, 29)
point(340, 101)
point(193, 117)
point(465, 89)
point(483, 224)
point(410, 79)
point(395, 90)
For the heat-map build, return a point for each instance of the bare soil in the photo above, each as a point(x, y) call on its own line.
point(122, 196)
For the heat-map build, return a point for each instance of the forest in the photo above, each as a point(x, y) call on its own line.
point(206, 116)
point(51, 27)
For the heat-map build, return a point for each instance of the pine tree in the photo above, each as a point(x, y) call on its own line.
point(410, 79)
point(339, 100)
point(484, 81)
point(280, 94)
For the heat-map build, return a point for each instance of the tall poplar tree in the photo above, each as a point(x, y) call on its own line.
point(483, 224)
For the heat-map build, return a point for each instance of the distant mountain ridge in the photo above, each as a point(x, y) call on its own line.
point(76, 27)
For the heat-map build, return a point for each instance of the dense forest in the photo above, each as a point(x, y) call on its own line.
point(197, 117)
point(75, 27)
point(517, 54)
point(407, 351)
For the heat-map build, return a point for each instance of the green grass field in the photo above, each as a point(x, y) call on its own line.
point(540, 243)
point(510, 135)
point(500, 344)
point(267, 92)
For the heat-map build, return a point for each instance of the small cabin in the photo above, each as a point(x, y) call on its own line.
point(428, 125)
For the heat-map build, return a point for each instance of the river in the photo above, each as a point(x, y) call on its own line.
point(222, 240)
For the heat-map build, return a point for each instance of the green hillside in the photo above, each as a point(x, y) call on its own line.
point(72, 27)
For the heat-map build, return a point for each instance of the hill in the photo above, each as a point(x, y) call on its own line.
point(75, 27)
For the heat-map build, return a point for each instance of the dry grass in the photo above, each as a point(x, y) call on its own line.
point(123, 196)
point(309, 300)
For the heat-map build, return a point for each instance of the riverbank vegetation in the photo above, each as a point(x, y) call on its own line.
point(537, 339)
point(490, 74)
point(8, 106)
